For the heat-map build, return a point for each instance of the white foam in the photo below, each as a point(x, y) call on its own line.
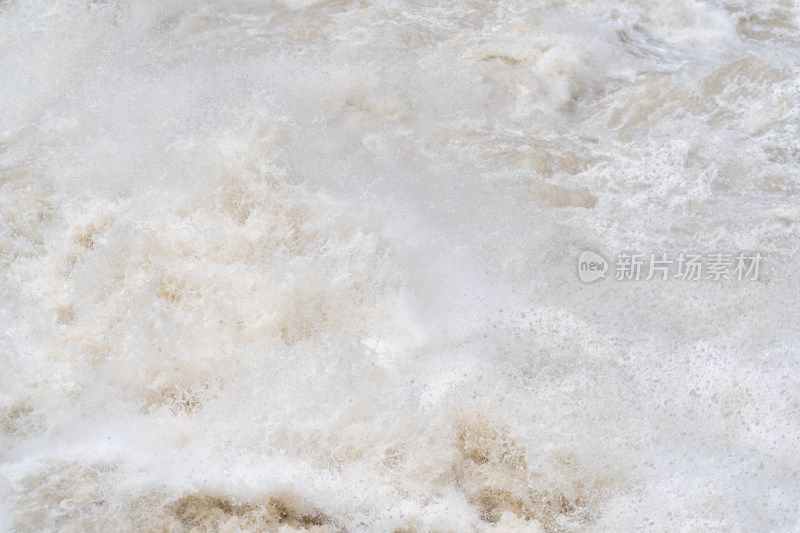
point(273, 266)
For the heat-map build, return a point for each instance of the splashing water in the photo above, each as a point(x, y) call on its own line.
point(310, 265)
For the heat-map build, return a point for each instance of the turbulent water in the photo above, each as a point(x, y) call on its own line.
point(312, 265)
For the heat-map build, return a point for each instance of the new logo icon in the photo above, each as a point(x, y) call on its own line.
point(591, 266)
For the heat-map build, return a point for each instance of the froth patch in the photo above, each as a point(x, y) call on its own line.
point(71, 496)
point(495, 477)
point(76, 490)
point(20, 420)
point(206, 513)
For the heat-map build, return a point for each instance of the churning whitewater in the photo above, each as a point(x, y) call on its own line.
point(313, 265)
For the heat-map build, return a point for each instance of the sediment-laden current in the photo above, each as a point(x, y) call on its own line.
point(313, 266)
